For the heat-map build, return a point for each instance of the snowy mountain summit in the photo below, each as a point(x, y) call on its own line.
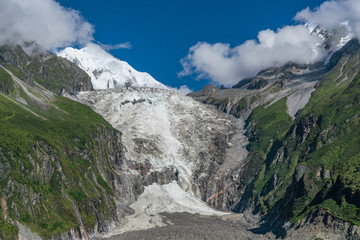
point(332, 39)
point(107, 71)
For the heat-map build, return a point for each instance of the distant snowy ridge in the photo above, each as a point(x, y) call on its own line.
point(332, 40)
point(107, 71)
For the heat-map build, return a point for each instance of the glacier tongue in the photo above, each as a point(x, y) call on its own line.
point(107, 71)
point(156, 199)
point(167, 129)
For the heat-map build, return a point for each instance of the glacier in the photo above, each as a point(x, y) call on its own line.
point(169, 131)
point(165, 128)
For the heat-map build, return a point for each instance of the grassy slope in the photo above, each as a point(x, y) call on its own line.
point(64, 135)
point(6, 83)
point(332, 145)
point(268, 126)
point(338, 108)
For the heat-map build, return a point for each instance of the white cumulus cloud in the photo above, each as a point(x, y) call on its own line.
point(43, 21)
point(182, 89)
point(227, 65)
point(332, 13)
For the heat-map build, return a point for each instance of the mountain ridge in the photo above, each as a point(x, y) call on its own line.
point(249, 150)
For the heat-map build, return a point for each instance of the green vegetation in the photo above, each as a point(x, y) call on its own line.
point(242, 104)
point(323, 142)
point(344, 210)
point(271, 123)
point(6, 83)
point(350, 173)
point(104, 184)
point(77, 195)
point(335, 140)
point(267, 126)
point(7, 230)
point(42, 157)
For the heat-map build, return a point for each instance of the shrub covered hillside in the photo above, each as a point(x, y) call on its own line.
point(296, 164)
point(55, 162)
point(314, 161)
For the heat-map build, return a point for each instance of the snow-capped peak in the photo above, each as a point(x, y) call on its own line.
point(332, 39)
point(105, 70)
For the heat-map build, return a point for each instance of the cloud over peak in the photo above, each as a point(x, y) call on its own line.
point(226, 65)
point(332, 13)
point(44, 21)
point(223, 64)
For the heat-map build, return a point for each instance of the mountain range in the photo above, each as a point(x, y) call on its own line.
point(93, 149)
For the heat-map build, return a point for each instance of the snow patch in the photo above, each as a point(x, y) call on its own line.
point(335, 38)
point(156, 199)
point(298, 100)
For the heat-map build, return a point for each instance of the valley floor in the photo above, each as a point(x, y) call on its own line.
point(186, 226)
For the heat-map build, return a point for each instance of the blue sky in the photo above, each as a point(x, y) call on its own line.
point(161, 32)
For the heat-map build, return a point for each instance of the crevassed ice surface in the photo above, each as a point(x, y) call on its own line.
point(105, 70)
point(163, 127)
point(168, 130)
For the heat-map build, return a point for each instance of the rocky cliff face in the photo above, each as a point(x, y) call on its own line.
point(298, 161)
point(293, 81)
point(320, 224)
point(37, 65)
